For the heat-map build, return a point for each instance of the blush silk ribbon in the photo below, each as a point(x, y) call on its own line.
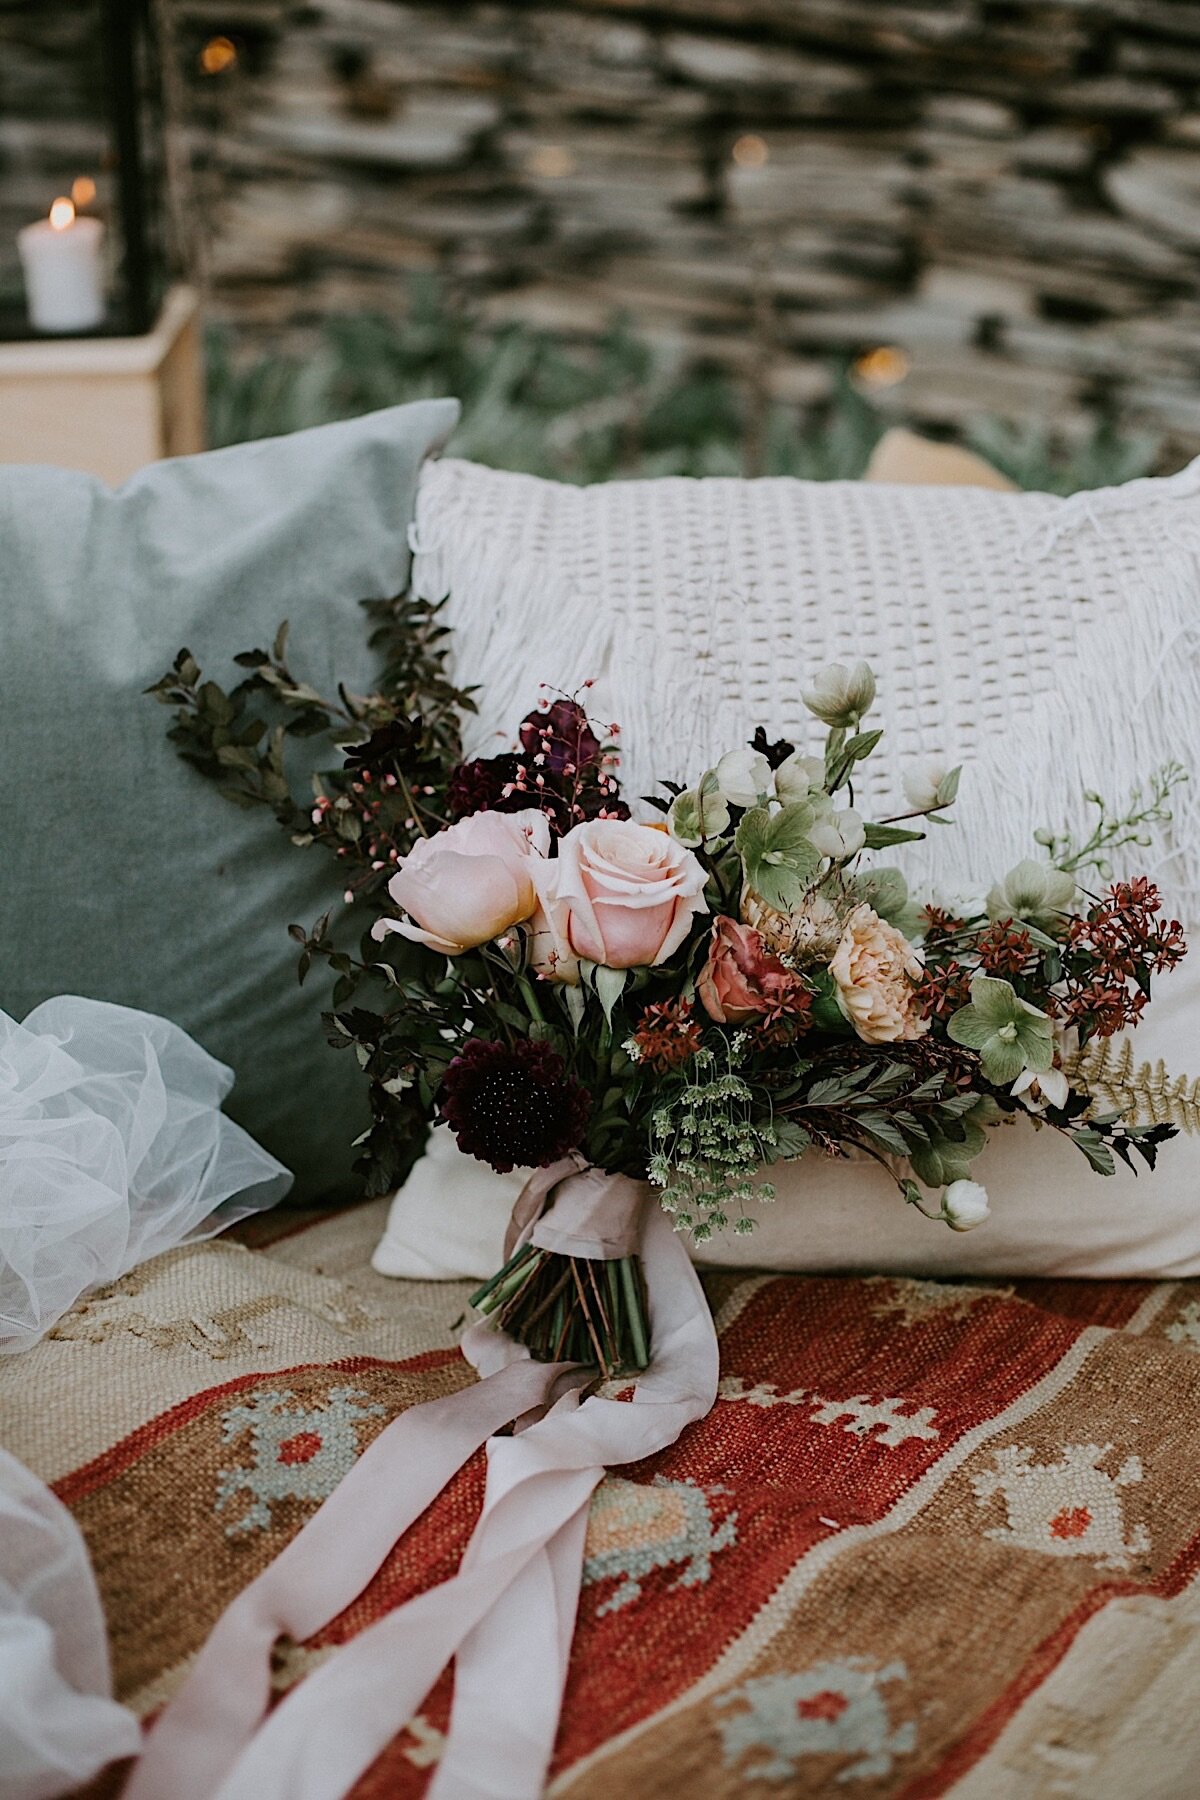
point(507, 1617)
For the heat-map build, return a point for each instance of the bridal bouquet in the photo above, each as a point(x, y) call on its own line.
point(673, 1002)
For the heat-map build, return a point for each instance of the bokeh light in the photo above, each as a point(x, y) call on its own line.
point(219, 54)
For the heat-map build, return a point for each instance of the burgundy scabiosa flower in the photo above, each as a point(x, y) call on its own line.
point(513, 1105)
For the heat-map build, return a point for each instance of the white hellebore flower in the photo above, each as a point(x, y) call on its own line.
point(1038, 1091)
point(840, 695)
point(800, 778)
point(965, 1205)
point(744, 777)
point(840, 836)
point(960, 903)
point(923, 780)
point(1036, 892)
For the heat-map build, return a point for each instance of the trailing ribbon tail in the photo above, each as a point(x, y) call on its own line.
point(508, 1614)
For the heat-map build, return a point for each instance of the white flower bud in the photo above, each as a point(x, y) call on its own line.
point(840, 836)
point(840, 695)
point(799, 777)
point(922, 782)
point(965, 1205)
point(744, 777)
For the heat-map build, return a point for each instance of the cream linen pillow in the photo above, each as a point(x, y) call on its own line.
point(1050, 645)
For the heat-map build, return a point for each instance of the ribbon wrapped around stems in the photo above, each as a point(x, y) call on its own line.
point(572, 1285)
point(507, 1617)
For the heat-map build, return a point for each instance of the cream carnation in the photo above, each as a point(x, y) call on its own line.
point(875, 970)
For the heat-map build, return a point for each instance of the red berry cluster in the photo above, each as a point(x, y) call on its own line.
point(1005, 949)
point(940, 924)
point(945, 987)
point(1110, 954)
point(667, 1035)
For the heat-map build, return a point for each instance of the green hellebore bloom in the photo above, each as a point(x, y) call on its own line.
point(1035, 892)
point(1009, 1034)
point(698, 814)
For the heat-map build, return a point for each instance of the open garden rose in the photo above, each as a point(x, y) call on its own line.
point(470, 882)
point(875, 969)
point(742, 980)
point(620, 894)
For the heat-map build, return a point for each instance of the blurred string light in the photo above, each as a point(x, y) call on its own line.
point(750, 151)
point(882, 367)
point(83, 191)
point(219, 54)
point(551, 161)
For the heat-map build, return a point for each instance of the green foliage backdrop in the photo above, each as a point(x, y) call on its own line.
point(621, 405)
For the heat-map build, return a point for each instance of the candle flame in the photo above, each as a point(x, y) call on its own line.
point(62, 214)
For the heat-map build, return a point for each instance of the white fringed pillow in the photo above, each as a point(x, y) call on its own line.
point(1050, 645)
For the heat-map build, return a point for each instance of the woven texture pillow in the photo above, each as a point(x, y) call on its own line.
point(1050, 645)
point(124, 876)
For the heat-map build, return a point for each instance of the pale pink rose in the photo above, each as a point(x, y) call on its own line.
point(620, 894)
point(470, 882)
point(550, 953)
point(875, 970)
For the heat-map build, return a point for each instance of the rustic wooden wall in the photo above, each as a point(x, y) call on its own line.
point(1008, 191)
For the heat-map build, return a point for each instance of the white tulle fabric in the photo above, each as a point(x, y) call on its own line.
point(113, 1148)
point(58, 1724)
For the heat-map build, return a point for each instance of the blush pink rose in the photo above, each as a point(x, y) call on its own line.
point(742, 979)
point(470, 882)
point(620, 894)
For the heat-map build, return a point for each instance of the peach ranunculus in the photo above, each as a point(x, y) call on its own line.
point(742, 979)
point(620, 894)
point(875, 970)
point(470, 882)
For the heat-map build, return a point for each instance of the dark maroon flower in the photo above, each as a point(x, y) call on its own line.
point(513, 1106)
point(396, 744)
point(775, 753)
point(489, 784)
point(560, 741)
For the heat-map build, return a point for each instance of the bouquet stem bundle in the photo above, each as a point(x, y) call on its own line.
point(572, 1308)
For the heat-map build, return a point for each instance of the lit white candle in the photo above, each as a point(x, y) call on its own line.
point(64, 284)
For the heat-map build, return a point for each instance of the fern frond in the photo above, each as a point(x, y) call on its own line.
point(1146, 1093)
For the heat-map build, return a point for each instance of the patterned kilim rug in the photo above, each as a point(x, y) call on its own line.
point(931, 1539)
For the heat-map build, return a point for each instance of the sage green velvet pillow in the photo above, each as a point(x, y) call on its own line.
point(123, 874)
